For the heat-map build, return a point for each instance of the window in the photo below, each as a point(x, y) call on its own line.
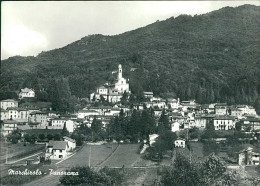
point(60, 150)
point(60, 156)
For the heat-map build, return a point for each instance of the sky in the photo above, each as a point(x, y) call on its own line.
point(28, 28)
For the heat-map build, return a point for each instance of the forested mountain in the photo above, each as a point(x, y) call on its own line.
point(212, 57)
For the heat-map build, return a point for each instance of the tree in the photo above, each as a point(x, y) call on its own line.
point(164, 120)
point(115, 129)
point(57, 137)
point(14, 137)
point(133, 125)
point(64, 132)
point(182, 173)
point(194, 133)
point(238, 125)
point(102, 99)
point(147, 124)
point(209, 132)
point(124, 99)
point(78, 137)
point(213, 169)
point(41, 136)
point(49, 136)
point(96, 125)
point(87, 176)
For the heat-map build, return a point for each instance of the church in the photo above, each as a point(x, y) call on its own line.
point(112, 93)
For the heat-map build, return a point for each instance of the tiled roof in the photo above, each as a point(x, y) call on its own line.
point(60, 145)
point(9, 100)
point(69, 139)
point(224, 117)
point(10, 122)
point(26, 90)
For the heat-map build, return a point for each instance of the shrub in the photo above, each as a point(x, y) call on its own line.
point(86, 176)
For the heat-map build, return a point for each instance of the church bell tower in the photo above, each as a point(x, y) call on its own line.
point(119, 71)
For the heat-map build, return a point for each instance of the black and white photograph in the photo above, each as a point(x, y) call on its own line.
point(130, 93)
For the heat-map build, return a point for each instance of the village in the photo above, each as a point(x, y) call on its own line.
point(58, 133)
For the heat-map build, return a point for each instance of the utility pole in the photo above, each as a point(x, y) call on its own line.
point(90, 149)
point(6, 155)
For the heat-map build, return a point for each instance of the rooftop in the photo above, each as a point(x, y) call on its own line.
point(10, 122)
point(69, 139)
point(9, 100)
point(60, 145)
point(26, 90)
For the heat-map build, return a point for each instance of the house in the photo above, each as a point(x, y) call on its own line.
point(26, 93)
point(112, 112)
point(39, 117)
point(152, 138)
point(249, 156)
point(224, 122)
point(175, 126)
point(8, 126)
point(8, 103)
point(148, 95)
point(251, 122)
point(220, 108)
point(188, 104)
point(179, 142)
point(139, 106)
point(159, 104)
point(200, 122)
point(236, 112)
point(13, 113)
point(71, 143)
point(4, 114)
point(56, 150)
point(173, 103)
point(246, 109)
point(84, 113)
point(58, 123)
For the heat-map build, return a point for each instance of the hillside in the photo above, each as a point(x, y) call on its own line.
point(210, 57)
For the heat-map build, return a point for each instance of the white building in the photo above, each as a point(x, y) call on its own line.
point(112, 112)
point(175, 126)
point(249, 156)
point(220, 108)
point(26, 93)
point(59, 124)
point(173, 103)
point(4, 114)
point(56, 150)
point(121, 85)
point(112, 93)
point(224, 122)
point(179, 143)
point(200, 122)
point(84, 113)
point(8, 103)
point(71, 143)
point(8, 127)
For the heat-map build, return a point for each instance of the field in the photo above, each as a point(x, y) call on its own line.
point(98, 154)
point(18, 150)
point(137, 170)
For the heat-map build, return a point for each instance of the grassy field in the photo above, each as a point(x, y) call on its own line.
point(18, 150)
point(126, 155)
point(81, 158)
point(140, 176)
